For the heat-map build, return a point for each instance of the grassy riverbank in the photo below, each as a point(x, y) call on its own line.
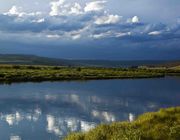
point(162, 125)
point(19, 73)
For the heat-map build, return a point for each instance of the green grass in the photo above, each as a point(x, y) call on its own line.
point(20, 73)
point(162, 125)
point(176, 67)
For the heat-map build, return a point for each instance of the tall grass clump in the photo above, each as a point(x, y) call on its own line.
point(161, 125)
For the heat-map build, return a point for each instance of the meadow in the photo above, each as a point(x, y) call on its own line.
point(24, 73)
point(161, 125)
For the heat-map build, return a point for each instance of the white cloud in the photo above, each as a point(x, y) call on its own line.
point(75, 37)
point(135, 19)
point(39, 20)
point(110, 19)
point(75, 23)
point(154, 33)
point(76, 9)
point(94, 6)
point(122, 34)
point(62, 8)
point(53, 36)
point(15, 11)
point(111, 34)
point(55, 7)
point(18, 11)
point(102, 35)
point(33, 14)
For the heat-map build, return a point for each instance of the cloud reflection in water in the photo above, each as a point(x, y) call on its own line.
point(51, 110)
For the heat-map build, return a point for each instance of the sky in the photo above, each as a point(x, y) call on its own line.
point(91, 29)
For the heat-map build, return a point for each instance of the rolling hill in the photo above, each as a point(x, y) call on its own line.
point(37, 60)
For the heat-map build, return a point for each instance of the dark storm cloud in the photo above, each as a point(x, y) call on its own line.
point(14, 24)
point(85, 34)
point(137, 31)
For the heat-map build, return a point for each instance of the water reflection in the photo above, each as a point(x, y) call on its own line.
point(15, 138)
point(51, 110)
point(104, 116)
point(131, 117)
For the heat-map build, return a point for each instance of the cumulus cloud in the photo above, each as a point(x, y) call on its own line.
point(94, 6)
point(55, 7)
point(73, 21)
point(18, 11)
point(76, 9)
point(14, 10)
point(109, 19)
point(59, 8)
point(134, 19)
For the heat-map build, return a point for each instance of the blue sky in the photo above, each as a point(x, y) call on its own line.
point(91, 29)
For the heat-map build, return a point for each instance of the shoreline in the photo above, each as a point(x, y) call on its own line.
point(21, 73)
point(163, 124)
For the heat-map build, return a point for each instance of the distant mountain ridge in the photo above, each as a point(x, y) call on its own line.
point(38, 60)
point(31, 60)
